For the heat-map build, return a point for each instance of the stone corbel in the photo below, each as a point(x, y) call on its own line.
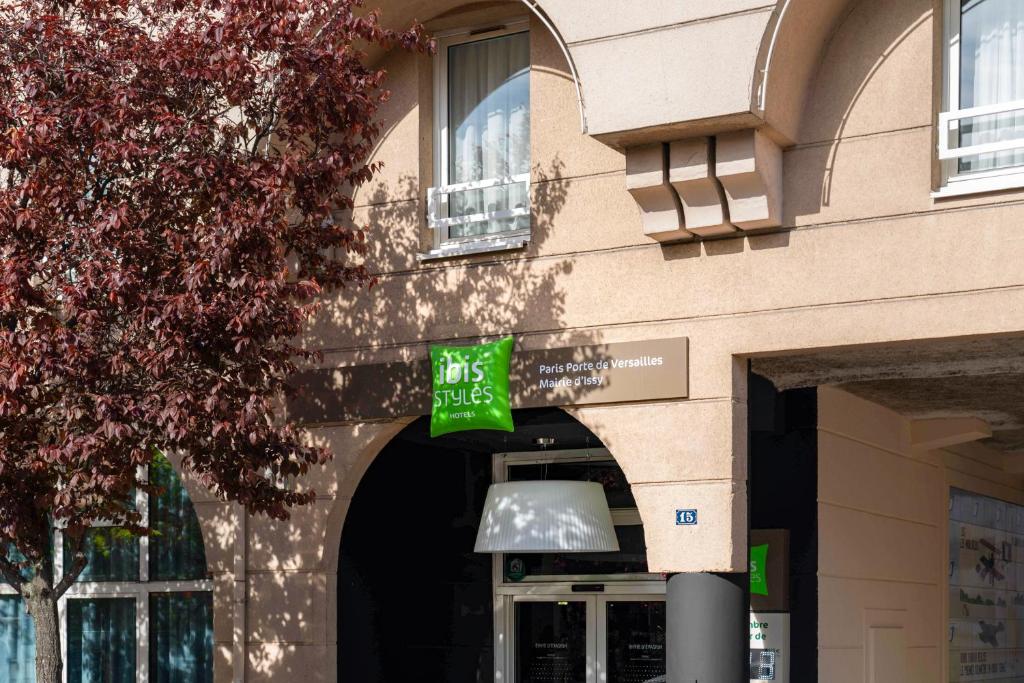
point(647, 180)
point(749, 166)
point(692, 174)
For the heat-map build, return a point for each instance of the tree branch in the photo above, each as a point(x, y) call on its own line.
point(11, 573)
point(78, 562)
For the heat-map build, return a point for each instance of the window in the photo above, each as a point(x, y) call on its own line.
point(482, 142)
point(141, 611)
point(981, 132)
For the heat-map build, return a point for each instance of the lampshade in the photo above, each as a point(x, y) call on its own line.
point(545, 517)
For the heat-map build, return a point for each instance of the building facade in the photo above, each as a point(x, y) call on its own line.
point(810, 211)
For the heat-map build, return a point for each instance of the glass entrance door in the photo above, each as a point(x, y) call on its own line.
point(588, 639)
point(634, 638)
point(551, 642)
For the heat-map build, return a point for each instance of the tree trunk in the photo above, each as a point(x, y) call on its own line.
point(41, 603)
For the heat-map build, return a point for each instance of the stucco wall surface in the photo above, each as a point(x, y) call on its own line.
point(868, 257)
point(883, 539)
point(880, 541)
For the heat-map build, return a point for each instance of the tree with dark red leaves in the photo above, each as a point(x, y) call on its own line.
point(173, 180)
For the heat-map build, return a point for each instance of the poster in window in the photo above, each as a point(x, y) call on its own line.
point(986, 589)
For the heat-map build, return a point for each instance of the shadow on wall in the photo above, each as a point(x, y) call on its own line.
point(291, 581)
point(457, 301)
point(446, 299)
point(290, 610)
point(862, 45)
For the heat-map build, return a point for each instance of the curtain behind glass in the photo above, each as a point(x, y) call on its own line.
point(991, 72)
point(489, 128)
point(17, 643)
point(176, 550)
point(181, 637)
point(113, 555)
point(101, 641)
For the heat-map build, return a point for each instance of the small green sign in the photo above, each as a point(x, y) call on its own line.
point(471, 387)
point(758, 572)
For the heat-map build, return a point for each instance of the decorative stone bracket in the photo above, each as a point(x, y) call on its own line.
point(707, 187)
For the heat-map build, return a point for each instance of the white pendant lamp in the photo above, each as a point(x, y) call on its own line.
point(546, 517)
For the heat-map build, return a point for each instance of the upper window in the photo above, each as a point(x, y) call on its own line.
point(482, 142)
point(981, 133)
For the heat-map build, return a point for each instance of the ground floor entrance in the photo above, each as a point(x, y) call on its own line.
point(416, 603)
point(571, 637)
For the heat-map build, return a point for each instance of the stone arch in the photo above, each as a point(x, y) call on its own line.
point(874, 75)
point(336, 535)
point(788, 57)
point(366, 442)
point(400, 13)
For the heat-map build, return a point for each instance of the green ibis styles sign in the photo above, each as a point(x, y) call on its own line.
point(471, 387)
point(759, 569)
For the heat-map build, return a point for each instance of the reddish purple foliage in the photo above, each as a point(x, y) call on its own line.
point(171, 178)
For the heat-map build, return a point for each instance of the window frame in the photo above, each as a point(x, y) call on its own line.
point(442, 244)
point(953, 183)
point(140, 590)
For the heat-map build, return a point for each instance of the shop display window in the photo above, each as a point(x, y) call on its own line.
point(986, 588)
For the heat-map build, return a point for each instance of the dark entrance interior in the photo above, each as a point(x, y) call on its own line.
point(414, 600)
point(784, 495)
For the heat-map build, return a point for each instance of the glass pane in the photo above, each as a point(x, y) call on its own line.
point(176, 542)
point(101, 641)
point(991, 72)
point(636, 642)
point(551, 642)
point(113, 555)
point(14, 556)
point(489, 129)
point(181, 637)
point(631, 559)
point(986, 588)
point(606, 472)
point(17, 643)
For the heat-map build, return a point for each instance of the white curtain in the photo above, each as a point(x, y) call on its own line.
point(991, 72)
point(488, 128)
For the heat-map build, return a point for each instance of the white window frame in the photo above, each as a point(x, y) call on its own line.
point(437, 197)
point(954, 183)
point(617, 587)
point(140, 591)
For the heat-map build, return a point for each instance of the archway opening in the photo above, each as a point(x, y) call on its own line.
point(416, 603)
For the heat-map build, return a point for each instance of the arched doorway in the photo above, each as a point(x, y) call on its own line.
point(415, 603)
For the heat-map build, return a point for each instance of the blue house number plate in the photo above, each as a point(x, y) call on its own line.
point(686, 517)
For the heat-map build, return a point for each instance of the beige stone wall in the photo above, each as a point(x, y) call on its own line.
point(883, 539)
point(868, 257)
